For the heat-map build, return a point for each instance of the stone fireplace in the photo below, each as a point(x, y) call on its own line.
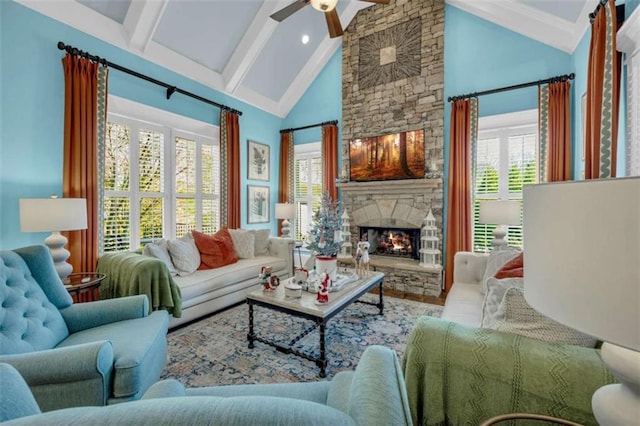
point(393, 205)
point(386, 93)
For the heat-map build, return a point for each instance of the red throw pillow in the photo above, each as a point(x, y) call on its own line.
point(513, 268)
point(215, 250)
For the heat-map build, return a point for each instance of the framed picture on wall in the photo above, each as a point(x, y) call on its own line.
point(257, 161)
point(257, 204)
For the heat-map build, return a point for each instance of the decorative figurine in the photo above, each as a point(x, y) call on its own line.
point(362, 258)
point(323, 289)
point(269, 282)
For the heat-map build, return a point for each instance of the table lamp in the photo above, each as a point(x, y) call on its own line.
point(500, 213)
point(285, 211)
point(54, 215)
point(588, 276)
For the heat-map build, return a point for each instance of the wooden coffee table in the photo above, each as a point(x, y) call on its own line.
point(305, 307)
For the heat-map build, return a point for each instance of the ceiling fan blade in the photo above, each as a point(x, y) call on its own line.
point(287, 11)
point(333, 23)
point(378, 1)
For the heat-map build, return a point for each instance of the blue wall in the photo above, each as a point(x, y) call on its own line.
point(479, 55)
point(32, 102)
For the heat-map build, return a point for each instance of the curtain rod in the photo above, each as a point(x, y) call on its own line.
point(170, 89)
point(556, 79)
point(324, 123)
point(619, 11)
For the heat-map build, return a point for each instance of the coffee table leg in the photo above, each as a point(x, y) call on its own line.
point(381, 303)
point(322, 362)
point(251, 336)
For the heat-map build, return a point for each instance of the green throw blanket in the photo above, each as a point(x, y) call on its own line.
point(458, 375)
point(130, 273)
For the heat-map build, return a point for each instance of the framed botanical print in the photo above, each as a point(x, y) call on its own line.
point(257, 204)
point(257, 161)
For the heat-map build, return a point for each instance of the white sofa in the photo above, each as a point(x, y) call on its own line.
point(465, 298)
point(202, 292)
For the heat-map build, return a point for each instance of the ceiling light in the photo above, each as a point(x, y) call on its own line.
point(324, 5)
point(305, 39)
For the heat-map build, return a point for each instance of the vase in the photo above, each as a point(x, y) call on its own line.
point(328, 264)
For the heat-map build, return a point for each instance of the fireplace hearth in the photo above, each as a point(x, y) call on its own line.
point(393, 242)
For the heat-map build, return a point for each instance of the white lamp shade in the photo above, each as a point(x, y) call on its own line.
point(588, 276)
point(52, 214)
point(285, 211)
point(500, 212)
point(324, 5)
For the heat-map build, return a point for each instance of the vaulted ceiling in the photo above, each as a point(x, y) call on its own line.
point(234, 47)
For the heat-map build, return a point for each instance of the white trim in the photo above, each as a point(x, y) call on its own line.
point(159, 117)
point(531, 22)
point(141, 22)
point(511, 120)
point(628, 41)
point(307, 148)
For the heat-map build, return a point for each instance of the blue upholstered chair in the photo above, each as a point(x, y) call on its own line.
point(70, 354)
point(374, 394)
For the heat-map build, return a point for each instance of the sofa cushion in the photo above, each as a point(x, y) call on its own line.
point(464, 305)
point(206, 281)
point(262, 242)
point(516, 316)
point(160, 250)
point(493, 297)
point(496, 260)
point(184, 255)
point(30, 322)
point(215, 250)
point(243, 242)
point(139, 351)
point(513, 268)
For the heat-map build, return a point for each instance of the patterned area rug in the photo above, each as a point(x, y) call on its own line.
point(214, 351)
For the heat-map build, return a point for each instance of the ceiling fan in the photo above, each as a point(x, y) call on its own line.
point(326, 6)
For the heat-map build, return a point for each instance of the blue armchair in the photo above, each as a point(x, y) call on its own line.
point(70, 354)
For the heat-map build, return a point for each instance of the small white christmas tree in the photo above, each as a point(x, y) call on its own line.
point(325, 236)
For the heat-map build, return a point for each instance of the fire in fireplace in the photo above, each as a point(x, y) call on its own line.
point(394, 242)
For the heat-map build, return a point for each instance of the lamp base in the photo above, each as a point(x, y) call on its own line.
point(285, 231)
point(56, 242)
point(499, 234)
point(619, 404)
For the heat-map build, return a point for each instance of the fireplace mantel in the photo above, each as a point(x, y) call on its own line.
point(390, 186)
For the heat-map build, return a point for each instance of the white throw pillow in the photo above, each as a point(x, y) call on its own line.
point(516, 316)
point(496, 260)
point(244, 243)
point(262, 242)
point(185, 256)
point(160, 250)
point(493, 297)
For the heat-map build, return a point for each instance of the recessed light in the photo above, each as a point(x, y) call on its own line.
point(305, 39)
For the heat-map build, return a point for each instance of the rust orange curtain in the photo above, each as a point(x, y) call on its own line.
point(559, 133)
point(603, 88)
point(80, 158)
point(330, 159)
point(285, 177)
point(459, 213)
point(233, 168)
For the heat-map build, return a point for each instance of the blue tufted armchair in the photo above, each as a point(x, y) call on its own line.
point(70, 354)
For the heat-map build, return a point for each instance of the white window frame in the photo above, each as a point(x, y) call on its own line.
point(140, 116)
point(502, 127)
point(302, 152)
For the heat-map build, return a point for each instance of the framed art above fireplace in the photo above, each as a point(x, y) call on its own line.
point(387, 157)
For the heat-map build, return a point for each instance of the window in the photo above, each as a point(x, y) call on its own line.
point(506, 159)
point(159, 182)
point(308, 185)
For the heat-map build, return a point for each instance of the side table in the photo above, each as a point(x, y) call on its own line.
point(84, 286)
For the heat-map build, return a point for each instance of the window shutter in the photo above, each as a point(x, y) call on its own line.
point(116, 224)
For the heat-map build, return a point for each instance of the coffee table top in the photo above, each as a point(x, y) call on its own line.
point(306, 304)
